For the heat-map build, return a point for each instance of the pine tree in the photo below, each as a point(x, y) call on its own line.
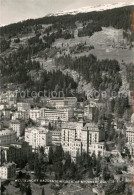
point(43, 191)
point(37, 167)
point(51, 155)
point(28, 190)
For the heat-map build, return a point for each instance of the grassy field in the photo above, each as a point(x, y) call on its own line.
point(108, 43)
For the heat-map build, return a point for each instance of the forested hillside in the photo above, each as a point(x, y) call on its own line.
point(30, 48)
point(102, 74)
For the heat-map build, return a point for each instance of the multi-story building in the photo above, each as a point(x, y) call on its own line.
point(8, 171)
point(21, 106)
point(56, 138)
point(87, 139)
point(46, 122)
point(34, 114)
point(42, 112)
point(88, 112)
point(12, 102)
point(56, 102)
point(9, 97)
point(69, 112)
point(78, 113)
point(15, 152)
point(60, 102)
point(70, 101)
point(7, 137)
point(75, 148)
point(97, 148)
point(130, 138)
point(130, 134)
point(53, 114)
point(6, 113)
point(71, 132)
point(130, 147)
point(24, 115)
point(17, 126)
point(49, 114)
point(43, 122)
point(95, 134)
point(38, 136)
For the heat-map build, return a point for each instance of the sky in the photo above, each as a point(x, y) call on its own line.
point(17, 10)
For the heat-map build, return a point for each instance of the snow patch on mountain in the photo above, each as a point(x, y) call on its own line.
point(91, 9)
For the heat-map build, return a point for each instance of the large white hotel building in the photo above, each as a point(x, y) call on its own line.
point(77, 139)
point(38, 136)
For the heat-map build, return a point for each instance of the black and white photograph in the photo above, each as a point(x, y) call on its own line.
point(66, 97)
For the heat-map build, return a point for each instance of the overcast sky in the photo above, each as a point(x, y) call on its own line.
point(17, 10)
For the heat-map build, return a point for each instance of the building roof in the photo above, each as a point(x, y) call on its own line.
point(15, 121)
point(130, 128)
point(72, 125)
point(7, 132)
point(91, 126)
point(39, 129)
point(57, 98)
point(8, 164)
point(35, 110)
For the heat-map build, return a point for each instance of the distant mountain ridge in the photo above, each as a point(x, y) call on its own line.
point(87, 9)
point(91, 9)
